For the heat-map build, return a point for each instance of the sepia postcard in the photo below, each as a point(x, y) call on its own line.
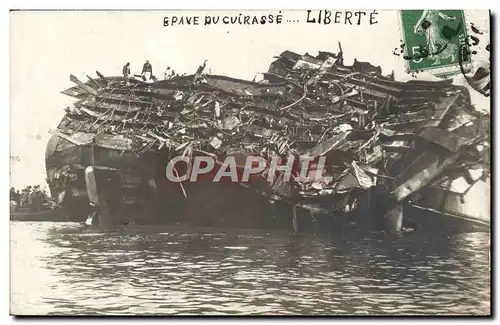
point(256, 162)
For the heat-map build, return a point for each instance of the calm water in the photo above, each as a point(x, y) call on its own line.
point(66, 268)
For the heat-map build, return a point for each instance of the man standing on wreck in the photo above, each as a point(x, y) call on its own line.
point(147, 71)
point(126, 72)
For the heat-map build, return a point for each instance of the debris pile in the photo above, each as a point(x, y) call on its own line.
point(373, 130)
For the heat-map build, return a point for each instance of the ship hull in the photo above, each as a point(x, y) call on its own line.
point(135, 190)
point(144, 195)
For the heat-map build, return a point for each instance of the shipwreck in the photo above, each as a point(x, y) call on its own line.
point(384, 141)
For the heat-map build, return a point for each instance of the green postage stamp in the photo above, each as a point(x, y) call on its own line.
point(434, 40)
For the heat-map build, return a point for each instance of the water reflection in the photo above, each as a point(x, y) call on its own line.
point(172, 270)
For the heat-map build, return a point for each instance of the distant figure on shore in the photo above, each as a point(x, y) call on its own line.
point(18, 197)
point(147, 71)
point(25, 197)
point(32, 198)
point(14, 200)
point(126, 72)
point(14, 204)
point(36, 199)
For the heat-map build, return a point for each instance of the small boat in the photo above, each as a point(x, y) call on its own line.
point(45, 214)
point(421, 217)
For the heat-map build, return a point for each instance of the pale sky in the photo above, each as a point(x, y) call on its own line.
point(46, 47)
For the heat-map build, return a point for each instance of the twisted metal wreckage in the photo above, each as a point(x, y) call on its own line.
point(384, 141)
